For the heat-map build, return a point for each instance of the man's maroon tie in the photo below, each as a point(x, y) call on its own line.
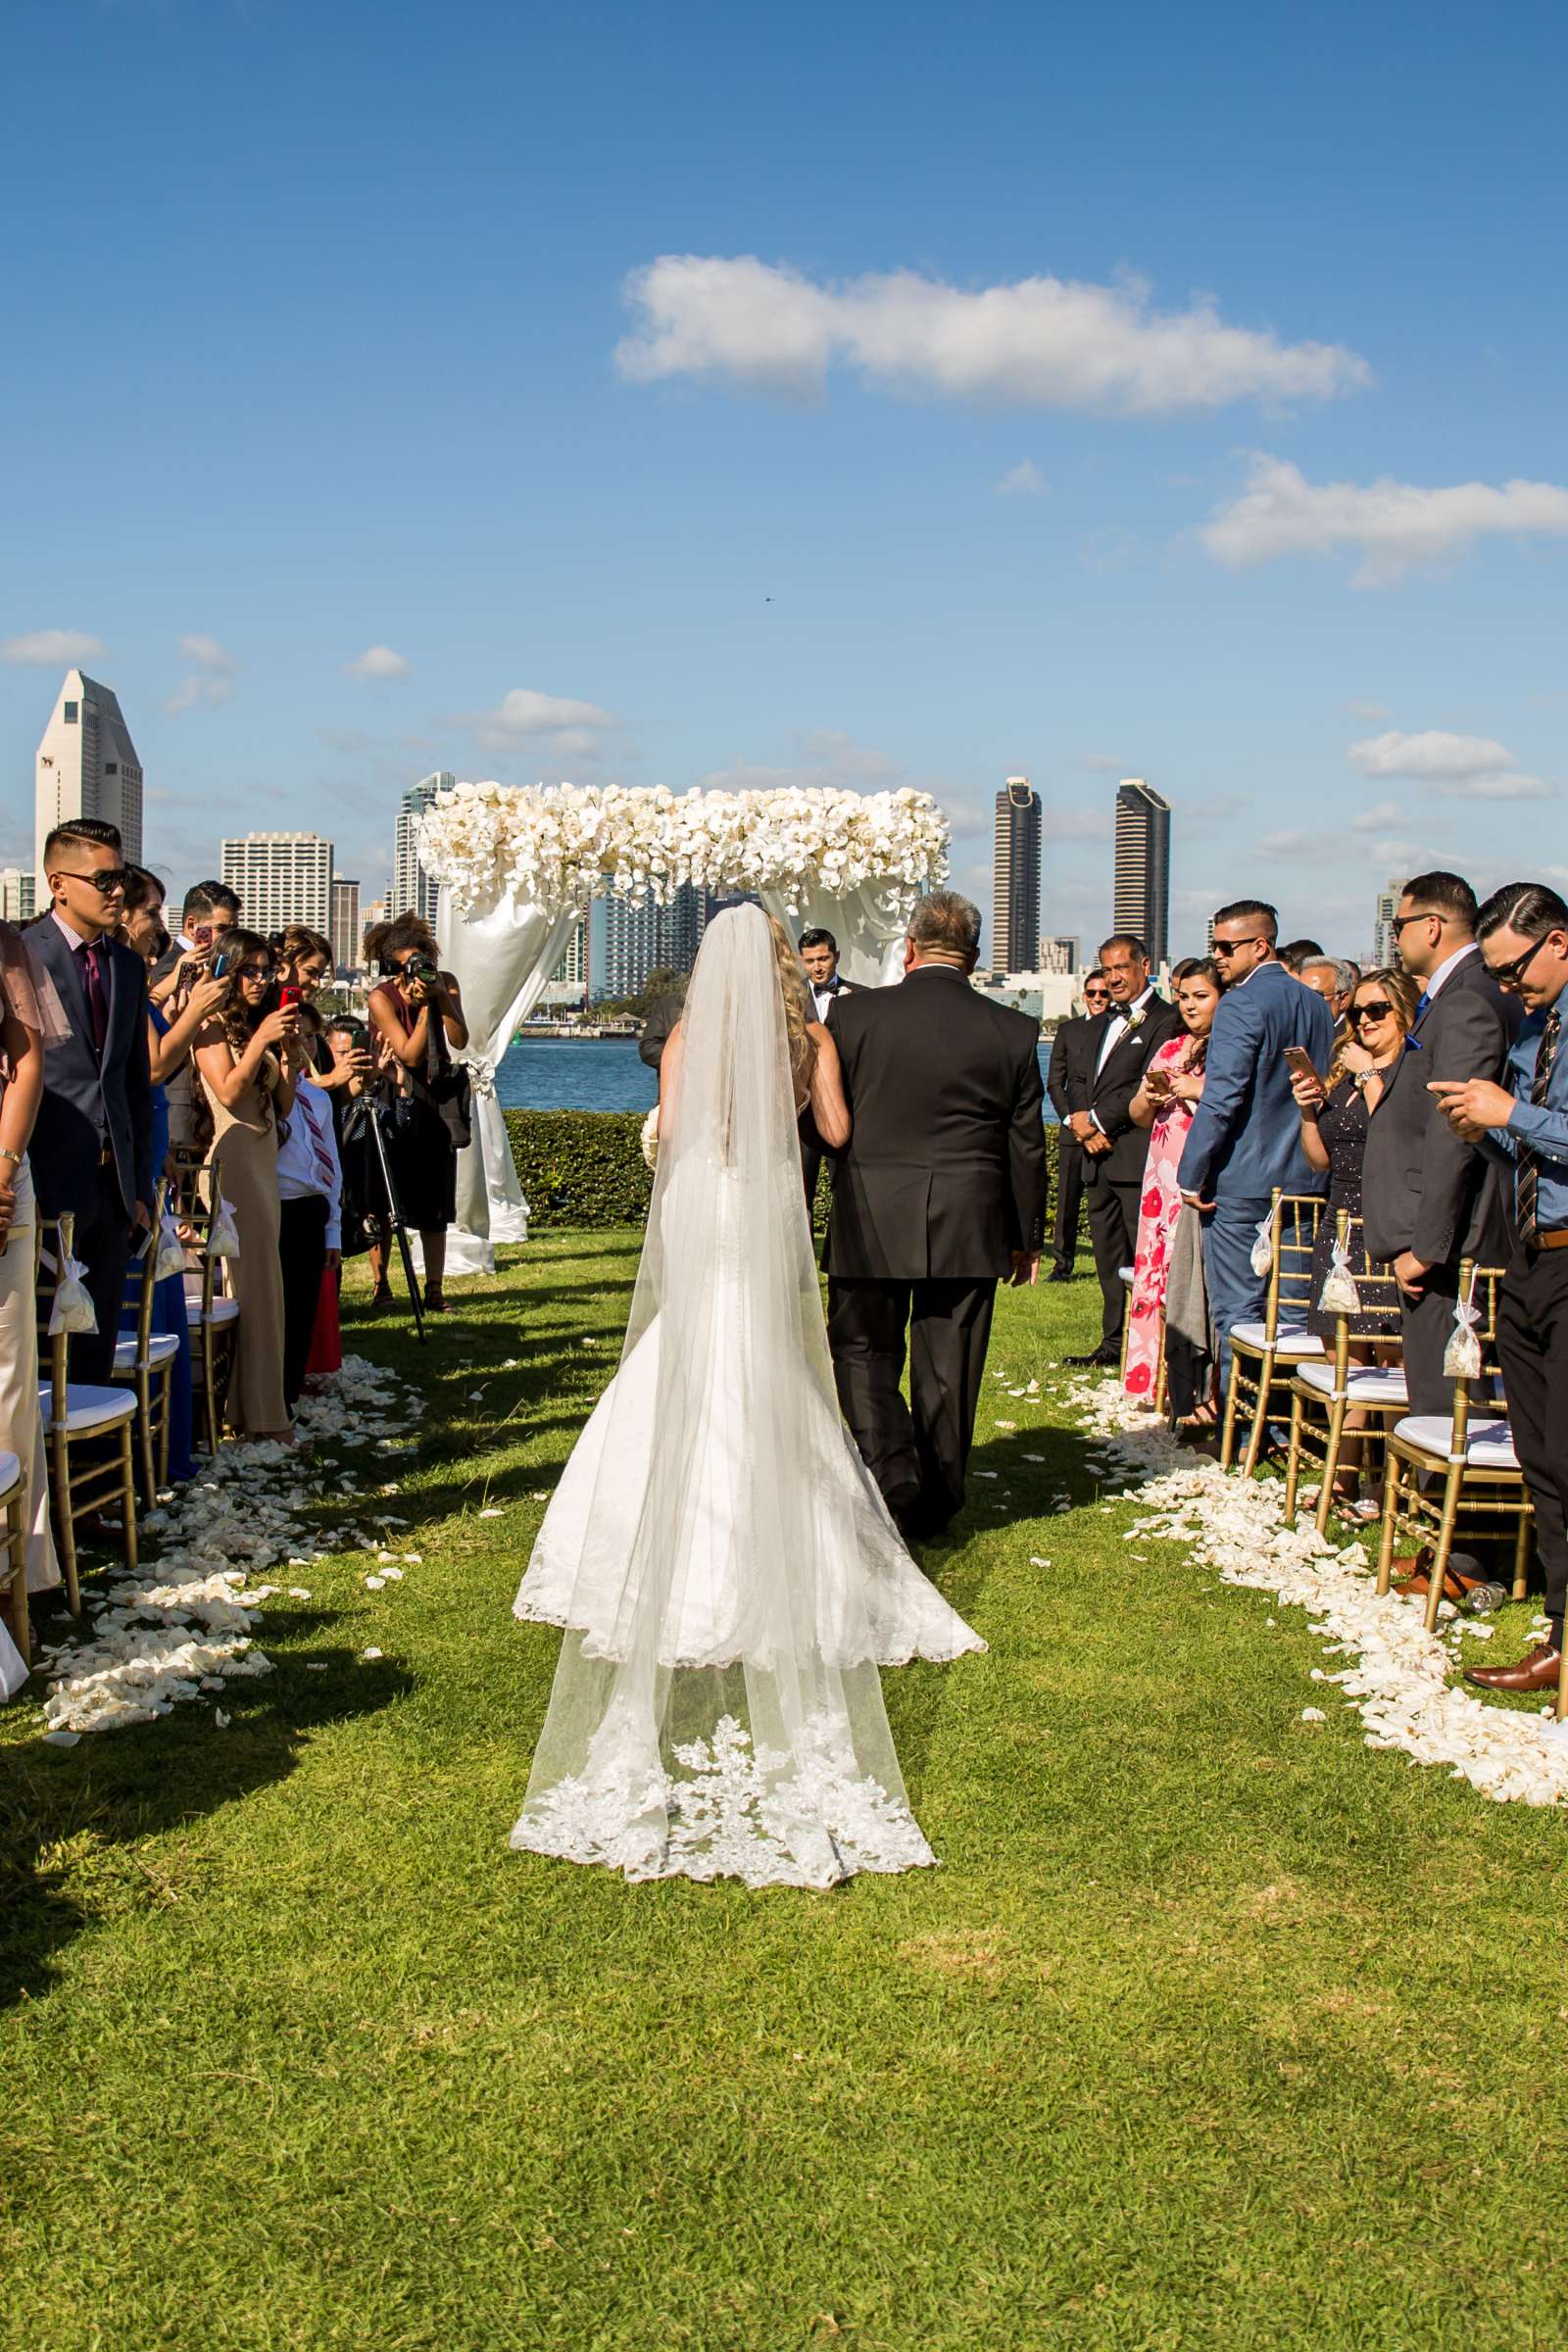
point(92, 958)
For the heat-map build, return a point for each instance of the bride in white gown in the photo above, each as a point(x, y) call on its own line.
point(724, 1569)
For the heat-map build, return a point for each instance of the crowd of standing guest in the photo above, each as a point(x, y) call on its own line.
point(197, 1073)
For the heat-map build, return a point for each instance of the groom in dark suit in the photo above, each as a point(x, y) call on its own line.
point(940, 1193)
point(1121, 1045)
point(91, 1147)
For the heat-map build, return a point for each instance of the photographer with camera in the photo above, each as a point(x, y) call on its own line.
point(208, 915)
point(248, 1057)
point(418, 1016)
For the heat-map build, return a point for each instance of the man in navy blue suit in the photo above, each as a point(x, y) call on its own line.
point(1245, 1135)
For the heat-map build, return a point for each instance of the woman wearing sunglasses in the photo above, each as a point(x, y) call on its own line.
point(1335, 1111)
point(248, 1058)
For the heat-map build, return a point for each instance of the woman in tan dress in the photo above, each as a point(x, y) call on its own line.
point(247, 1057)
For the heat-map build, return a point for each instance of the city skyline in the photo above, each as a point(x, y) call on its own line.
point(693, 464)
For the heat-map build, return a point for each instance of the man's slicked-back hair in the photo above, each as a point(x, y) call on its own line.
point(944, 924)
point(1528, 907)
point(1441, 893)
point(203, 897)
point(1251, 910)
point(92, 832)
point(1125, 939)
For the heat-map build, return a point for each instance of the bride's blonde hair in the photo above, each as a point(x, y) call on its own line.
point(797, 1011)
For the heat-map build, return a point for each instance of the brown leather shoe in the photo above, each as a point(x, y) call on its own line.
point(1537, 1671)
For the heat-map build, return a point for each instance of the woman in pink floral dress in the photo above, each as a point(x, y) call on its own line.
point(1164, 1104)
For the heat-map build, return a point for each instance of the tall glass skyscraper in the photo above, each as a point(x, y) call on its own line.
point(1015, 880)
point(1143, 866)
point(411, 888)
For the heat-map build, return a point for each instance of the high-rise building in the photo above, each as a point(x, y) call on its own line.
point(1060, 954)
point(410, 889)
point(572, 969)
point(18, 895)
point(281, 878)
point(87, 766)
point(1142, 903)
point(1016, 878)
point(627, 943)
point(1385, 939)
point(345, 931)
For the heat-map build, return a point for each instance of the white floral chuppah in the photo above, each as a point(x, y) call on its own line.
point(517, 866)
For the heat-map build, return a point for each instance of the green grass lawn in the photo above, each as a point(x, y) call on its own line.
point(1212, 2029)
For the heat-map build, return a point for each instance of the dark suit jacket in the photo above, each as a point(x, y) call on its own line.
point(86, 1104)
point(1072, 1067)
point(1422, 1188)
point(944, 1174)
point(664, 1017)
point(1111, 1090)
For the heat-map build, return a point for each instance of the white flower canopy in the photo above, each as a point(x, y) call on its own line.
point(516, 866)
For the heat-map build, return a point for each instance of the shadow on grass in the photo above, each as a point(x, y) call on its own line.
point(70, 1818)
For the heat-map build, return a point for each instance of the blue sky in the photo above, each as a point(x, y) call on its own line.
point(1043, 433)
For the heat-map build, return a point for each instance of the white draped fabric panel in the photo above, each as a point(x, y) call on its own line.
point(502, 962)
point(868, 923)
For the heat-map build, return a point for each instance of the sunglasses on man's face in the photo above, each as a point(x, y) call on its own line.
point(108, 879)
point(1509, 975)
point(1378, 1010)
point(1228, 946)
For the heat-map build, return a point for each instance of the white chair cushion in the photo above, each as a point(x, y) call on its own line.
point(9, 1475)
point(1287, 1340)
point(90, 1409)
point(225, 1310)
point(1489, 1445)
point(1369, 1384)
point(1129, 1275)
point(162, 1348)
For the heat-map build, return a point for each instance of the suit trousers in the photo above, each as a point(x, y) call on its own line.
point(1427, 1323)
point(1236, 1294)
point(1069, 1202)
point(1114, 1231)
point(918, 1452)
point(102, 1243)
point(1533, 1349)
point(302, 1255)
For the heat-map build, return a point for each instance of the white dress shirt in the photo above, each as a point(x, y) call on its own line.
point(312, 1139)
point(1119, 1026)
point(822, 997)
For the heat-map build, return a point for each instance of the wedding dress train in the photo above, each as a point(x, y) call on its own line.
point(724, 1569)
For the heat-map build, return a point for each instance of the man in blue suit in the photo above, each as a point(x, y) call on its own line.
point(1246, 1136)
point(91, 1148)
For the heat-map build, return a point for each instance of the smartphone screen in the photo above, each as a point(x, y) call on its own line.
point(201, 935)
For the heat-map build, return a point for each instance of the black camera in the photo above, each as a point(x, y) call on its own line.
point(417, 967)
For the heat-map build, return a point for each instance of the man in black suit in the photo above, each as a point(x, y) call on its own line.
point(1122, 1043)
point(819, 961)
point(1072, 1065)
point(940, 1193)
point(91, 1147)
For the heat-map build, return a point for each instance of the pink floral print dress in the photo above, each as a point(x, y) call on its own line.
point(1158, 1211)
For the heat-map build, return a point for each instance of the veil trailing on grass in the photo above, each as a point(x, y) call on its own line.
point(723, 1566)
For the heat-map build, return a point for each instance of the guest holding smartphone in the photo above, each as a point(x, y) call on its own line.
point(417, 1015)
point(248, 1058)
point(310, 1185)
point(1171, 1088)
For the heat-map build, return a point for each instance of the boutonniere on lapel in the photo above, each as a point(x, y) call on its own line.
point(1135, 1020)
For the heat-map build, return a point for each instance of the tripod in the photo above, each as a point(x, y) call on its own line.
point(393, 1210)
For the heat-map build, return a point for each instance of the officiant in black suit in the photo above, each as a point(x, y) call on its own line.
point(1073, 1052)
point(1122, 1043)
point(819, 961)
point(939, 1194)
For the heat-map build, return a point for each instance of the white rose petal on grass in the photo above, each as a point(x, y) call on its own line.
point(370, 1656)
point(315, 1666)
point(221, 1719)
point(1007, 1424)
point(1313, 1715)
point(492, 1513)
point(392, 1576)
point(376, 1583)
point(1034, 1458)
point(60, 1739)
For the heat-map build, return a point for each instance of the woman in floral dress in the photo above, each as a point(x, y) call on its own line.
point(1164, 1105)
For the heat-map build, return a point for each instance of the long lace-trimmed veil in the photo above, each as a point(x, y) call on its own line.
point(721, 1711)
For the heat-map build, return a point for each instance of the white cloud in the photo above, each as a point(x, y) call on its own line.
point(1370, 711)
point(1378, 819)
point(1023, 480)
point(1433, 756)
point(1395, 527)
point(1040, 342)
point(210, 679)
point(1458, 767)
point(376, 664)
point(50, 649)
point(829, 758)
point(523, 712)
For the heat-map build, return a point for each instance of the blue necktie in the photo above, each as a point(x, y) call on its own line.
point(1421, 1003)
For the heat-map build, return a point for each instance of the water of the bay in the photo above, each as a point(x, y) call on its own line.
point(584, 1074)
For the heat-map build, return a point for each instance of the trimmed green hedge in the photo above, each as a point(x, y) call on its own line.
point(585, 1167)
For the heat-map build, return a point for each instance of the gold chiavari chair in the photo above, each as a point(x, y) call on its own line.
point(1125, 1276)
point(14, 1515)
point(144, 1360)
point(1323, 1395)
point(1257, 1350)
point(1438, 1472)
point(77, 1415)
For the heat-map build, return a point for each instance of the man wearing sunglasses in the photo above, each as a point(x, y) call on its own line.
point(1427, 1196)
point(1245, 1135)
point(1522, 1126)
point(91, 1148)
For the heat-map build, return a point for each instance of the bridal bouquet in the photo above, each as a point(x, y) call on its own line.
point(650, 1138)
